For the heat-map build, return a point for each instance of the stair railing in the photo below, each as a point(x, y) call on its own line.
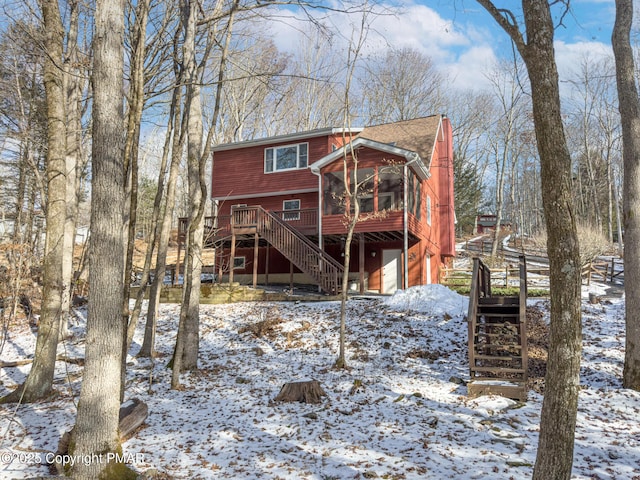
point(522, 262)
point(480, 288)
point(303, 253)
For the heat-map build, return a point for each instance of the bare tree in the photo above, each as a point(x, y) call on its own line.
point(75, 83)
point(23, 132)
point(253, 82)
point(630, 117)
point(198, 151)
point(591, 92)
point(96, 429)
point(470, 112)
point(504, 136)
point(40, 380)
point(174, 143)
point(534, 42)
point(402, 85)
point(136, 98)
point(156, 55)
point(352, 189)
point(311, 98)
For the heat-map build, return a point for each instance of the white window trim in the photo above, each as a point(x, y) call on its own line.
point(290, 217)
point(387, 195)
point(428, 210)
point(273, 159)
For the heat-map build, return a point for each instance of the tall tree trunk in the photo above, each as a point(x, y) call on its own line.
point(559, 409)
point(73, 161)
point(96, 429)
point(175, 132)
point(40, 380)
point(630, 116)
point(562, 381)
point(187, 341)
point(134, 117)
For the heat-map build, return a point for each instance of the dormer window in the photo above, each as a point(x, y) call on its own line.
point(288, 157)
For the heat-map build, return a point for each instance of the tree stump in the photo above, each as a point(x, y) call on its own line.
point(308, 391)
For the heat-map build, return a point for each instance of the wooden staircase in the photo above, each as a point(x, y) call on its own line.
point(297, 248)
point(497, 337)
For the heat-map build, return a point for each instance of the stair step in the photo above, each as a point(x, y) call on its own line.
point(500, 300)
point(514, 314)
point(515, 381)
point(497, 369)
point(508, 325)
point(478, 356)
point(493, 312)
point(494, 346)
point(497, 335)
point(510, 390)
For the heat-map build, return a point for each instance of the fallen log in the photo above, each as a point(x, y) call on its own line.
point(16, 363)
point(132, 415)
point(60, 358)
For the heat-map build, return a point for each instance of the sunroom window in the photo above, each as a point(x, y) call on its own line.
point(365, 179)
point(389, 190)
point(288, 157)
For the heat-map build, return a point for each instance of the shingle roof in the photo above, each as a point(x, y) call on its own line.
point(417, 135)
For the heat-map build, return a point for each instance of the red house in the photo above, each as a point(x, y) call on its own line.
point(280, 203)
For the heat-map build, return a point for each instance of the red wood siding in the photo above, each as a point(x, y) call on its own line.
point(307, 200)
point(241, 171)
point(444, 157)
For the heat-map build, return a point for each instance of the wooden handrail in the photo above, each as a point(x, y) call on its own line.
point(301, 251)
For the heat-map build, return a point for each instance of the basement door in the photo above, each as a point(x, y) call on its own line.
point(391, 270)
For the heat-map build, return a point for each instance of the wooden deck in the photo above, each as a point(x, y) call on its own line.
point(287, 231)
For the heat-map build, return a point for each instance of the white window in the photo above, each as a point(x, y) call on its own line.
point(428, 210)
point(291, 205)
point(238, 263)
point(288, 157)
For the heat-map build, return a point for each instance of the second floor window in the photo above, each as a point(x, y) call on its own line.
point(288, 157)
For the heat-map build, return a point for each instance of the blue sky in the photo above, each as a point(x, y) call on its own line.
point(464, 41)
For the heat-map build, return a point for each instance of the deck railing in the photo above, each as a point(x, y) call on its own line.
point(301, 251)
point(304, 221)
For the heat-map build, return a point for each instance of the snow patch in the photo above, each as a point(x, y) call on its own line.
point(433, 300)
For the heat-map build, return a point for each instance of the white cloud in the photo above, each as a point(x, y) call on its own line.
point(570, 56)
point(468, 72)
point(463, 47)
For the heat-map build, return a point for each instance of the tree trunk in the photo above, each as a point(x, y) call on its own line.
point(40, 380)
point(559, 409)
point(187, 341)
point(147, 349)
point(134, 117)
point(96, 429)
point(629, 106)
point(72, 76)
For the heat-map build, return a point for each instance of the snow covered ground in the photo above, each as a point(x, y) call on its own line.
point(399, 412)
